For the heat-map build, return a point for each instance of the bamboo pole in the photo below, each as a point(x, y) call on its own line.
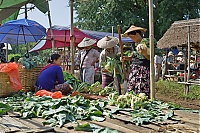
point(72, 36)
point(123, 67)
point(116, 82)
point(64, 62)
point(188, 75)
point(151, 36)
point(51, 32)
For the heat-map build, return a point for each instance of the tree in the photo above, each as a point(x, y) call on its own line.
point(101, 15)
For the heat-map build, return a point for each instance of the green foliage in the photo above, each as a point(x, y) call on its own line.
point(4, 108)
point(16, 56)
point(142, 110)
point(101, 15)
point(74, 83)
point(31, 61)
point(113, 63)
point(57, 111)
point(175, 90)
point(93, 128)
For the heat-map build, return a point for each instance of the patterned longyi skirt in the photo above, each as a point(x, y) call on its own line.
point(139, 79)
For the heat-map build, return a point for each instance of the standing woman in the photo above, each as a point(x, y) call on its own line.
point(51, 77)
point(110, 49)
point(139, 77)
point(87, 57)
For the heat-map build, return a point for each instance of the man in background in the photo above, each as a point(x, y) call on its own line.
point(158, 64)
point(2, 54)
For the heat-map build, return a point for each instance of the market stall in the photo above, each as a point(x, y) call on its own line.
point(184, 34)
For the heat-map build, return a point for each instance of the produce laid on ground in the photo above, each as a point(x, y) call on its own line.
point(57, 111)
point(70, 109)
point(84, 87)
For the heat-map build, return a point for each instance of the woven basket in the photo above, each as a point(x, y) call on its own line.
point(29, 77)
point(5, 85)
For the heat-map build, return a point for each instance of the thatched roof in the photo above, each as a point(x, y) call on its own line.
point(177, 34)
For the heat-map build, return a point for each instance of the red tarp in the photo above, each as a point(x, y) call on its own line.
point(60, 35)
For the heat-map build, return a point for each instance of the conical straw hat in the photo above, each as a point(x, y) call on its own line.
point(107, 42)
point(86, 42)
point(134, 28)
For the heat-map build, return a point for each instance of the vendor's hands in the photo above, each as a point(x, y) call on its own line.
point(141, 49)
point(122, 59)
point(104, 70)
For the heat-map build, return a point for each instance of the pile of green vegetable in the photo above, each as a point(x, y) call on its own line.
point(143, 110)
point(57, 111)
point(71, 80)
point(95, 89)
point(70, 109)
point(31, 61)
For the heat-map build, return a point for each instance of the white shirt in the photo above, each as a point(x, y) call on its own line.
point(158, 59)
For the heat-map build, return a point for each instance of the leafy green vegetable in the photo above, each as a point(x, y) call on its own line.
point(71, 80)
point(4, 108)
point(57, 111)
point(143, 110)
point(31, 62)
point(93, 128)
point(84, 127)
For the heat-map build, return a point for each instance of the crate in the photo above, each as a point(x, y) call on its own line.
point(29, 77)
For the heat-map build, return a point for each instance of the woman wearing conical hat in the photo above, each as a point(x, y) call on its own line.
point(87, 57)
point(110, 49)
point(139, 77)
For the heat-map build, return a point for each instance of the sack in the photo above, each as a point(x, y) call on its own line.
point(12, 70)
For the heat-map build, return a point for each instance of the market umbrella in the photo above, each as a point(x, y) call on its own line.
point(21, 31)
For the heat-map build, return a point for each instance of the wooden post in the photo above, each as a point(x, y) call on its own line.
point(188, 75)
point(151, 36)
point(121, 50)
point(72, 36)
point(51, 32)
point(64, 62)
point(185, 68)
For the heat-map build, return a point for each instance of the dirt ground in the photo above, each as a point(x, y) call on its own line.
point(192, 104)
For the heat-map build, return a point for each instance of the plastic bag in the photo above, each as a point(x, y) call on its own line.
point(12, 70)
point(54, 95)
